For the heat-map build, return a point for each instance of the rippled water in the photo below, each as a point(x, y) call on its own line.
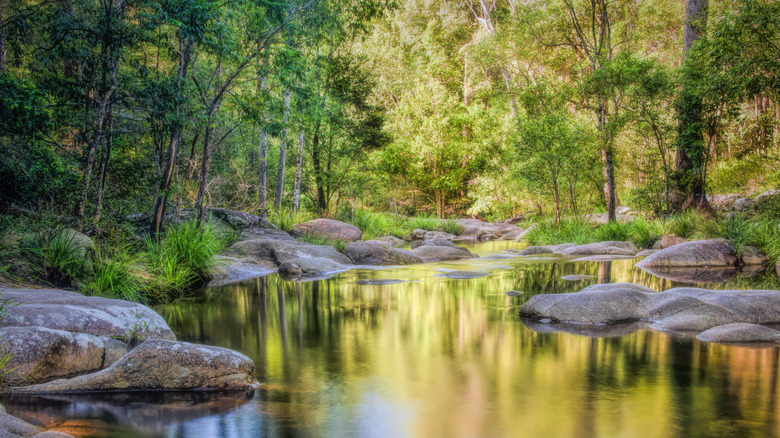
point(438, 357)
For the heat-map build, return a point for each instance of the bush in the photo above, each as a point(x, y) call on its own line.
point(113, 277)
point(766, 237)
point(735, 228)
point(572, 230)
point(686, 224)
point(645, 233)
point(452, 227)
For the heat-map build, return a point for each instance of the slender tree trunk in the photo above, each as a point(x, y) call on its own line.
point(322, 201)
point(262, 169)
point(689, 159)
point(282, 152)
point(2, 39)
point(298, 171)
point(185, 51)
point(205, 164)
point(103, 170)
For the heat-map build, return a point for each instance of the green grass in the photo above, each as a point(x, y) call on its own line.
point(735, 228)
point(766, 237)
point(613, 231)
point(452, 227)
point(644, 233)
point(57, 255)
point(114, 277)
point(571, 230)
point(686, 224)
point(316, 239)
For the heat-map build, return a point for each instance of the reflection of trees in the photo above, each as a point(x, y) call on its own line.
point(456, 351)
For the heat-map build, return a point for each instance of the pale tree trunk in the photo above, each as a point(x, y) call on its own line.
point(282, 152)
point(298, 172)
point(262, 169)
point(205, 163)
point(185, 52)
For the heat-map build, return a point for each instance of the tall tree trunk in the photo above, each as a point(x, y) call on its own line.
point(103, 170)
point(185, 52)
point(262, 168)
point(2, 39)
point(298, 171)
point(322, 201)
point(690, 156)
point(205, 164)
point(282, 152)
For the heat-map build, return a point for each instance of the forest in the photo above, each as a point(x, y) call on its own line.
point(138, 111)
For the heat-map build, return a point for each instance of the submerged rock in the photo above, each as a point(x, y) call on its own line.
point(378, 281)
point(699, 253)
point(740, 333)
point(602, 248)
point(577, 277)
point(531, 250)
point(465, 274)
point(374, 252)
point(514, 293)
point(327, 228)
point(430, 253)
point(310, 267)
point(162, 365)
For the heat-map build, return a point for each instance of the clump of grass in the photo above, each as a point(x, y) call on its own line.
point(316, 239)
point(766, 237)
point(572, 230)
point(285, 218)
point(114, 277)
point(452, 227)
point(59, 256)
point(613, 231)
point(736, 228)
point(645, 233)
point(686, 224)
point(5, 358)
point(427, 223)
point(183, 258)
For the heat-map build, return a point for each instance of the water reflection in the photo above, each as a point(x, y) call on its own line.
point(437, 357)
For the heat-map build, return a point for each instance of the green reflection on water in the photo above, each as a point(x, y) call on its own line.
point(438, 357)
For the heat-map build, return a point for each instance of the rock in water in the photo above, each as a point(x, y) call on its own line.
point(162, 365)
point(327, 228)
point(430, 253)
point(309, 267)
point(699, 253)
point(374, 252)
point(740, 333)
point(465, 274)
point(602, 248)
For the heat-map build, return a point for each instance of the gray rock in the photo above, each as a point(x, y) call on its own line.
point(743, 204)
point(265, 233)
point(378, 281)
point(430, 235)
point(602, 248)
point(646, 252)
point(723, 202)
point(475, 229)
point(577, 277)
point(240, 220)
point(465, 274)
point(531, 250)
point(694, 274)
point(767, 195)
point(668, 240)
point(623, 209)
point(752, 256)
point(261, 252)
point(162, 365)
point(73, 312)
point(513, 293)
point(416, 234)
point(430, 253)
point(392, 240)
point(596, 304)
point(433, 242)
point(740, 333)
point(512, 235)
point(310, 267)
point(327, 228)
point(700, 253)
point(231, 270)
point(557, 249)
point(41, 354)
point(11, 426)
point(377, 253)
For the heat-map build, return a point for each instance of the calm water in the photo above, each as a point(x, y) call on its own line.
point(439, 357)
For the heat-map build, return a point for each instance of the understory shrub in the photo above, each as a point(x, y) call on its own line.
point(570, 230)
point(685, 224)
point(114, 277)
point(613, 231)
point(58, 256)
point(644, 233)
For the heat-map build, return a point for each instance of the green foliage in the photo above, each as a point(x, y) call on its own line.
point(769, 207)
point(316, 239)
point(645, 233)
point(58, 255)
point(23, 107)
point(285, 218)
point(5, 358)
point(452, 227)
point(736, 228)
point(569, 230)
point(613, 231)
point(685, 224)
point(182, 259)
point(766, 237)
point(114, 276)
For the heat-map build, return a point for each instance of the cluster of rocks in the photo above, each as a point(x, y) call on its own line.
point(738, 203)
point(63, 342)
point(739, 316)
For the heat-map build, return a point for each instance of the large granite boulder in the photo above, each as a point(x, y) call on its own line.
point(40, 354)
point(752, 256)
point(327, 228)
point(474, 229)
point(430, 253)
point(231, 269)
point(560, 247)
point(73, 312)
point(162, 365)
point(277, 252)
point(430, 235)
point(265, 233)
point(239, 220)
point(723, 202)
point(373, 252)
point(12, 427)
point(310, 267)
point(699, 253)
point(602, 248)
point(433, 242)
point(740, 333)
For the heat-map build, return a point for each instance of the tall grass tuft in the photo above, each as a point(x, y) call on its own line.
point(428, 223)
point(58, 255)
point(452, 227)
point(316, 239)
point(645, 233)
point(114, 277)
point(686, 224)
point(613, 231)
point(572, 230)
point(285, 218)
point(736, 228)
point(183, 258)
point(766, 237)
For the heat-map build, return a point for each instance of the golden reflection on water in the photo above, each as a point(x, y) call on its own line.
point(438, 357)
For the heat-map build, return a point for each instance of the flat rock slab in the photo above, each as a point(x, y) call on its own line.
point(678, 309)
point(378, 281)
point(557, 249)
point(699, 253)
point(310, 267)
point(464, 274)
point(602, 248)
point(162, 365)
point(436, 241)
point(378, 253)
point(231, 270)
point(328, 228)
point(531, 250)
point(73, 312)
point(430, 253)
point(740, 333)
point(475, 229)
point(264, 251)
point(646, 252)
point(602, 258)
point(577, 277)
